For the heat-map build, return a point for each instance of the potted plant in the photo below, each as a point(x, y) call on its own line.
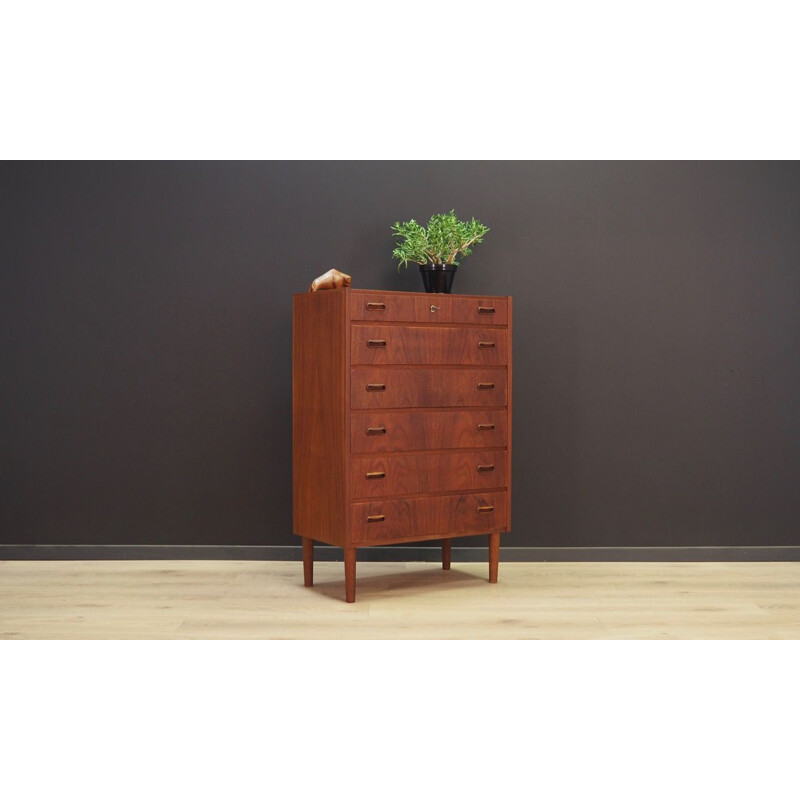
point(436, 247)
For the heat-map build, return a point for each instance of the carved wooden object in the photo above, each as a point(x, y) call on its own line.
point(332, 279)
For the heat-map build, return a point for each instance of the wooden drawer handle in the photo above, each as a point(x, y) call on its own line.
point(485, 467)
point(486, 345)
point(376, 431)
point(376, 387)
point(376, 518)
point(376, 306)
point(376, 343)
point(486, 386)
point(485, 509)
point(486, 310)
point(372, 476)
point(485, 427)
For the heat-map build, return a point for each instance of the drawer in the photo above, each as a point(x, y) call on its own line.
point(396, 344)
point(393, 431)
point(394, 307)
point(424, 307)
point(478, 310)
point(405, 474)
point(382, 387)
point(391, 520)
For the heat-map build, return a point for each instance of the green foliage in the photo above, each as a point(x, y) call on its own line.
point(445, 238)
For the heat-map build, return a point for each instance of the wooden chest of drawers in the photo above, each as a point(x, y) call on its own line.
point(401, 421)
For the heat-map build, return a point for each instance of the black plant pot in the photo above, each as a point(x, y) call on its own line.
point(438, 278)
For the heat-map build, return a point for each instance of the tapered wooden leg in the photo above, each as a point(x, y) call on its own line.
point(494, 556)
point(350, 574)
point(308, 561)
point(446, 554)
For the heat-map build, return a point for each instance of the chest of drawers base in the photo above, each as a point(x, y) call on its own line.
point(401, 421)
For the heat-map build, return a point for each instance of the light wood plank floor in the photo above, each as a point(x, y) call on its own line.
point(267, 600)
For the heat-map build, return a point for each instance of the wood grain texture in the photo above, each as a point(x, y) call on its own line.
point(428, 430)
point(428, 517)
point(388, 372)
point(471, 310)
point(431, 308)
point(383, 306)
point(319, 469)
point(510, 398)
point(267, 600)
point(407, 474)
point(426, 387)
point(419, 344)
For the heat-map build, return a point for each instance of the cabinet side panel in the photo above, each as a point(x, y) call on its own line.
point(318, 416)
point(510, 412)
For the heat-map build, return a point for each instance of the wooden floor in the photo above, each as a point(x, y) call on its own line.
point(267, 600)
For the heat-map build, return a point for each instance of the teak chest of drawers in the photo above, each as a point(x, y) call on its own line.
point(401, 421)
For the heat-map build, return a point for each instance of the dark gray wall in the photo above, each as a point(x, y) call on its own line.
point(146, 330)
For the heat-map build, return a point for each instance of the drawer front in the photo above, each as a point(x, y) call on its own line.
point(394, 344)
point(394, 431)
point(382, 475)
point(481, 311)
point(387, 520)
point(379, 387)
point(391, 307)
point(382, 307)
